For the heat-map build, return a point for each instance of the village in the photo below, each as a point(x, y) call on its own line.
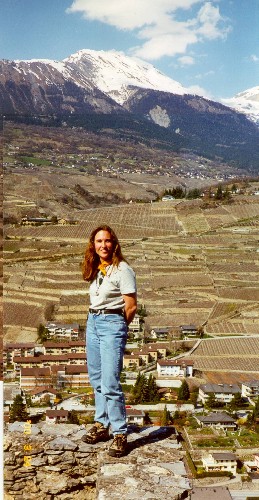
point(215, 422)
point(194, 340)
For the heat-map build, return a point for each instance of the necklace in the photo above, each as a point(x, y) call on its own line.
point(100, 277)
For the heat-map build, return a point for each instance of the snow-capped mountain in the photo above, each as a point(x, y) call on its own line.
point(246, 102)
point(114, 73)
point(107, 91)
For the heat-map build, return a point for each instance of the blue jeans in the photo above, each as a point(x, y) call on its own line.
point(106, 336)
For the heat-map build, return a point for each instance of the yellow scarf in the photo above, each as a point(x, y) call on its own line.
point(102, 267)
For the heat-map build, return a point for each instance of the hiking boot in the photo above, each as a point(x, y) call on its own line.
point(118, 447)
point(96, 434)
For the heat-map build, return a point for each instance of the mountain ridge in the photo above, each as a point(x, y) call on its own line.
point(107, 90)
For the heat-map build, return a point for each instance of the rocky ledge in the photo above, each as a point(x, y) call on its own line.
point(52, 462)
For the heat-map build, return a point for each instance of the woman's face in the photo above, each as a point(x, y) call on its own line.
point(103, 245)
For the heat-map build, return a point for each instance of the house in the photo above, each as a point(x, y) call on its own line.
point(189, 330)
point(161, 348)
point(207, 493)
point(159, 333)
point(36, 220)
point(253, 466)
point(40, 394)
point(250, 389)
point(168, 197)
point(62, 331)
point(76, 376)
point(148, 354)
point(217, 420)
point(134, 416)
point(135, 326)
point(10, 392)
point(175, 367)
point(223, 393)
point(56, 416)
point(13, 349)
point(30, 378)
point(131, 361)
point(56, 348)
point(220, 462)
point(48, 360)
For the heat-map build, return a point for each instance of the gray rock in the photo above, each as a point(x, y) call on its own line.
point(53, 452)
point(52, 483)
point(38, 461)
point(59, 429)
point(20, 427)
point(61, 443)
point(86, 448)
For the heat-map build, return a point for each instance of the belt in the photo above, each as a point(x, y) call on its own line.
point(106, 311)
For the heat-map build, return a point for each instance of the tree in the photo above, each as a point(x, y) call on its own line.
point(255, 414)
point(73, 417)
point(166, 417)
point(236, 402)
point(219, 193)
point(145, 390)
point(43, 334)
point(194, 395)
point(212, 402)
point(18, 410)
point(184, 392)
point(193, 193)
point(152, 392)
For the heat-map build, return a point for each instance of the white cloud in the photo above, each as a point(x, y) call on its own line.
point(155, 23)
point(197, 90)
point(254, 58)
point(200, 76)
point(186, 60)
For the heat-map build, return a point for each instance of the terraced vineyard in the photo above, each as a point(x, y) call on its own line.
point(227, 355)
point(191, 264)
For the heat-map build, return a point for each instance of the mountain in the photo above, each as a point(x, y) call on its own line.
point(246, 102)
point(49, 87)
point(116, 74)
point(206, 127)
point(112, 93)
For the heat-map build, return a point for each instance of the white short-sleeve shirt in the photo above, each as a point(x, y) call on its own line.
point(118, 281)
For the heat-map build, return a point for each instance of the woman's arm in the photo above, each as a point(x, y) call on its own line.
point(130, 306)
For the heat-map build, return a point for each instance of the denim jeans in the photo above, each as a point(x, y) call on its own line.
point(106, 336)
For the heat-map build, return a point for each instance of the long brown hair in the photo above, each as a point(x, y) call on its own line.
point(92, 260)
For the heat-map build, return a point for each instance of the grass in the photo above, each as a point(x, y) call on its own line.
point(35, 161)
point(248, 438)
point(217, 442)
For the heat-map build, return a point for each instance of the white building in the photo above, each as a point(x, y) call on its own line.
point(63, 331)
point(224, 393)
point(55, 416)
point(175, 367)
point(134, 416)
point(220, 462)
point(159, 333)
point(135, 326)
point(250, 389)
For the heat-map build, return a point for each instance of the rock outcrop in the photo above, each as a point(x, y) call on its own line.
point(52, 462)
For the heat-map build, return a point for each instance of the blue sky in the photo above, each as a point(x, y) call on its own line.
point(209, 46)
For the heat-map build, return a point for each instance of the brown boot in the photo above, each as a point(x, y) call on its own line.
point(96, 434)
point(118, 447)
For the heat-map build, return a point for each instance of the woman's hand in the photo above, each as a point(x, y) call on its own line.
point(130, 301)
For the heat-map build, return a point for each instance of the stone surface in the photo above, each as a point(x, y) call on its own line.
point(147, 471)
point(62, 467)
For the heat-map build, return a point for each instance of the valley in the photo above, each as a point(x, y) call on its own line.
point(196, 259)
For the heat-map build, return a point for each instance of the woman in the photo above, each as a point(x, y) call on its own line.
point(113, 303)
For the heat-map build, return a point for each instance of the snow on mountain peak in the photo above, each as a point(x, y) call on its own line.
point(246, 102)
point(113, 73)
